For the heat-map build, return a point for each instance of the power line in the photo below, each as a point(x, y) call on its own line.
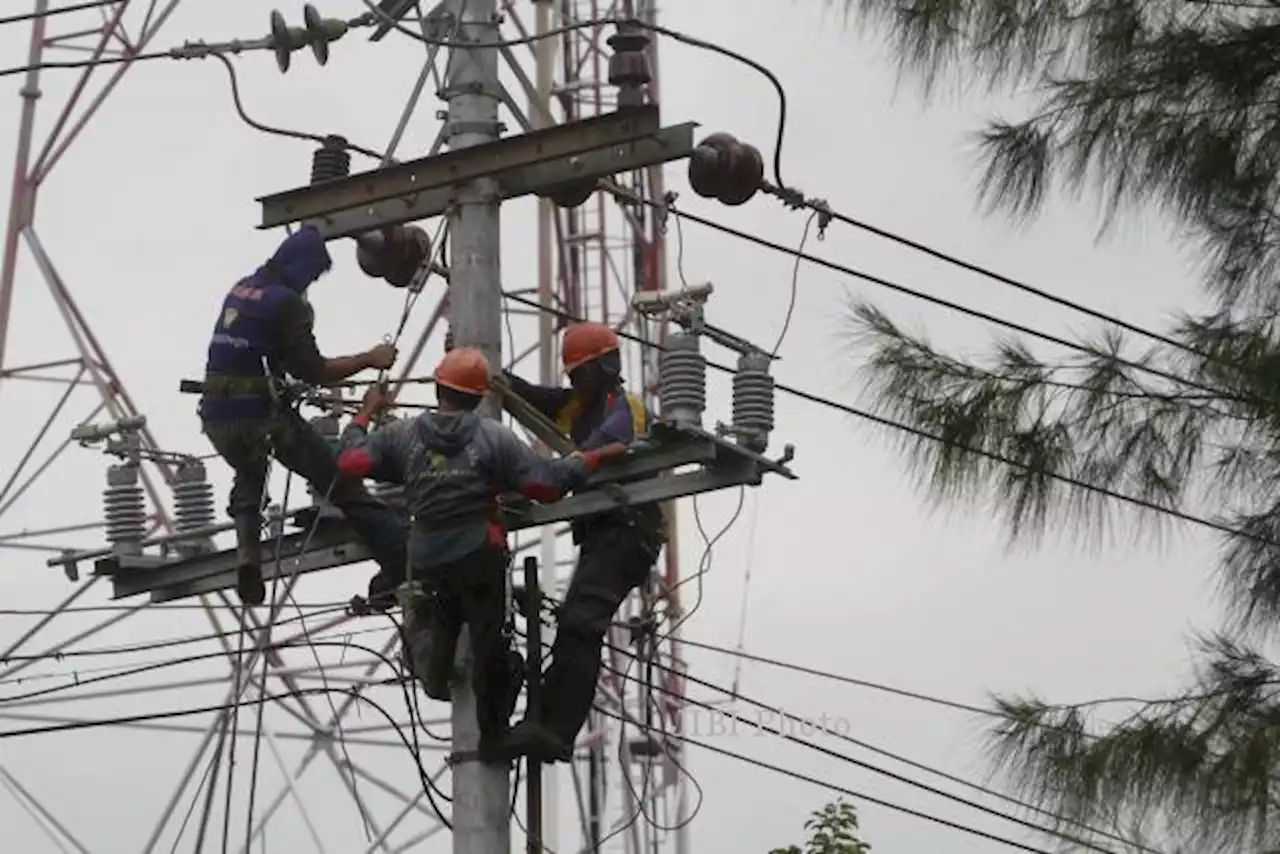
point(782, 714)
point(835, 787)
point(145, 647)
point(158, 606)
point(86, 63)
point(924, 434)
point(62, 10)
point(941, 302)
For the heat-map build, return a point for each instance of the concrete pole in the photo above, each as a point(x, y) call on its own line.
point(547, 372)
point(481, 793)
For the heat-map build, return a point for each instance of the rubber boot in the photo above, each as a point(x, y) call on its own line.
point(249, 584)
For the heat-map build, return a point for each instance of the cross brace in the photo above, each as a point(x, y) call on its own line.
point(535, 163)
point(718, 464)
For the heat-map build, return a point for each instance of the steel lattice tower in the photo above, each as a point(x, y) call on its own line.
point(591, 259)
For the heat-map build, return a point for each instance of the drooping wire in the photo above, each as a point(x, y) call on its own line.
point(708, 542)
point(287, 133)
point(795, 279)
point(746, 587)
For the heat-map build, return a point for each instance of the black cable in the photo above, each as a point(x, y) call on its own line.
point(143, 647)
point(862, 796)
point(85, 63)
point(61, 10)
point(924, 434)
point(195, 799)
point(429, 786)
point(238, 670)
point(166, 606)
point(950, 305)
point(266, 639)
point(276, 131)
point(782, 715)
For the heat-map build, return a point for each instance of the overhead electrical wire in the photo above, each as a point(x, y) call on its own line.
point(892, 775)
point(142, 647)
point(796, 199)
point(924, 434)
point(782, 715)
point(853, 793)
point(782, 189)
point(61, 10)
point(799, 256)
point(431, 790)
point(951, 305)
point(151, 608)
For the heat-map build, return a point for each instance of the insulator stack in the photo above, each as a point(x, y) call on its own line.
point(331, 160)
point(753, 397)
point(629, 64)
point(393, 254)
point(682, 381)
point(193, 506)
point(125, 509)
point(723, 168)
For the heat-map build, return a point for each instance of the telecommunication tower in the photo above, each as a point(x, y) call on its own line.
point(586, 89)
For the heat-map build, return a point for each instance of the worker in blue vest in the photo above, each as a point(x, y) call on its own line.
point(264, 331)
point(617, 548)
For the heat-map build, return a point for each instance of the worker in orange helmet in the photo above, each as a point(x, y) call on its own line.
point(617, 549)
point(453, 465)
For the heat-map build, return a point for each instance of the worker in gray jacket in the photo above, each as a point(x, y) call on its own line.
point(454, 465)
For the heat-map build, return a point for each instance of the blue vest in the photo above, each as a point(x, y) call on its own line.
point(236, 384)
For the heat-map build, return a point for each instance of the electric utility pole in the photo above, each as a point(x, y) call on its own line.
point(481, 792)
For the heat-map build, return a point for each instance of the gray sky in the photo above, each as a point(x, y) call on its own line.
point(151, 217)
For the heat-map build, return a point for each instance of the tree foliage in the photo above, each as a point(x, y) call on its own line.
point(1172, 105)
point(832, 830)
point(1166, 102)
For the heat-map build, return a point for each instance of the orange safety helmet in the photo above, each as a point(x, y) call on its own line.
point(465, 370)
point(585, 342)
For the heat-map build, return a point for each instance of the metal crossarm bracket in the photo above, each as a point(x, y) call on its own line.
point(717, 464)
point(671, 143)
point(536, 162)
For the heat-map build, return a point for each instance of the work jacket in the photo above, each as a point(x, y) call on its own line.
point(612, 417)
point(454, 465)
point(264, 330)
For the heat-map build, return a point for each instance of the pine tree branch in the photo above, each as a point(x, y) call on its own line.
point(1203, 762)
point(1158, 103)
point(1089, 418)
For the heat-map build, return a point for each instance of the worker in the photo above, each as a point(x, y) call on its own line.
point(454, 465)
point(616, 549)
point(264, 331)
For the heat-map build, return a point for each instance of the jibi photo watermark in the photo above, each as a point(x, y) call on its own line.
point(733, 723)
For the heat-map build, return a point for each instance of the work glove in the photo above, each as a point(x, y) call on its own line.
point(382, 592)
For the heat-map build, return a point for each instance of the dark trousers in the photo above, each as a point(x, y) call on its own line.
point(473, 592)
point(611, 563)
point(248, 445)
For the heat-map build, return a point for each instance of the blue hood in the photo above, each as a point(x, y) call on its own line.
point(300, 259)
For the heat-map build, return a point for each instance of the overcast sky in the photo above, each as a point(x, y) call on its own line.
point(151, 217)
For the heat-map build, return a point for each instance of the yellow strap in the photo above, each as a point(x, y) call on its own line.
point(570, 412)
